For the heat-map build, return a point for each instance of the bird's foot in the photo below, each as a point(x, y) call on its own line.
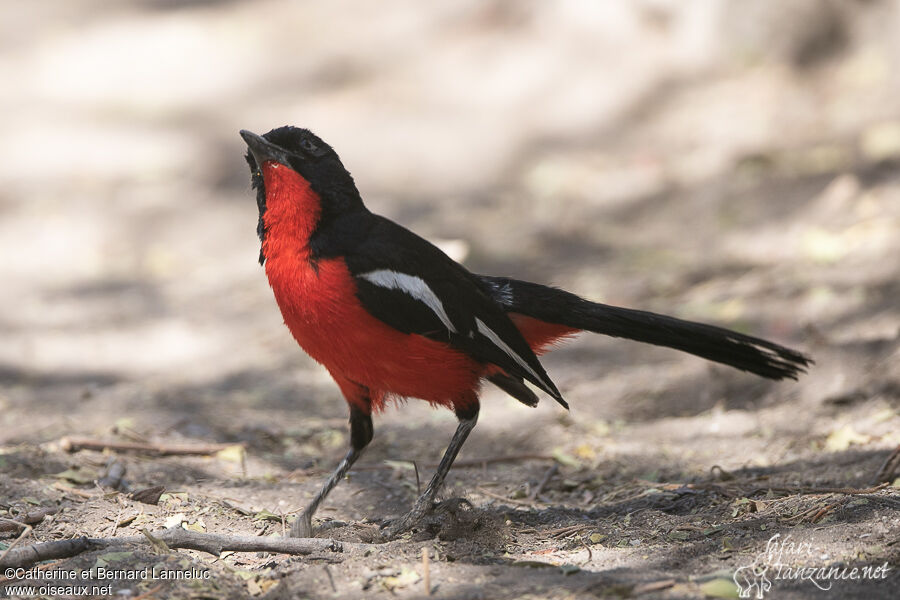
point(302, 526)
point(394, 528)
point(452, 506)
point(426, 514)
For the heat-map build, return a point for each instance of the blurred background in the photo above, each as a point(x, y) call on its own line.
point(720, 160)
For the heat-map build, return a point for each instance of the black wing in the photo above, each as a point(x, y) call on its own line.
point(411, 285)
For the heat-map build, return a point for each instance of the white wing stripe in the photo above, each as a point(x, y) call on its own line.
point(495, 339)
point(415, 287)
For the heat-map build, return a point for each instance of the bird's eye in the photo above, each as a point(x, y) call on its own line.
point(313, 149)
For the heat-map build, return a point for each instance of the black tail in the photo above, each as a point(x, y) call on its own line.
point(713, 343)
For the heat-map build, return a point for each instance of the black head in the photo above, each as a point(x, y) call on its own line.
point(306, 153)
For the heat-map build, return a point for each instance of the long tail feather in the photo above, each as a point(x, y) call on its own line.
point(737, 350)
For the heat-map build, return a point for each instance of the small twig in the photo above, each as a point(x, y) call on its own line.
point(822, 512)
point(73, 491)
point(330, 578)
point(426, 572)
point(590, 555)
point(418, 483)
point(174, 537)
point(116, 522)
point(566, 531)
point(802, 515)
point(69, 444)
point(889, 467)
point(814, 514)
point(545, 480)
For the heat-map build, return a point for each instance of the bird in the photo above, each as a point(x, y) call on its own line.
point(391, 316)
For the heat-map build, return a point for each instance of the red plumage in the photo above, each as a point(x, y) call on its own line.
point(321, 309)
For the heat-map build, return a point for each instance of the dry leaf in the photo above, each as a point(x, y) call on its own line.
point(266, 515)
point(76, 476)
point(150, 495)
point(199, 526)
point(175, 520)
point(406, 578)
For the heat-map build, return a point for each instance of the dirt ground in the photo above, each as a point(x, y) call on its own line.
point(717, 162)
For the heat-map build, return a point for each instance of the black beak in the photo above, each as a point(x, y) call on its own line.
point(263, 150)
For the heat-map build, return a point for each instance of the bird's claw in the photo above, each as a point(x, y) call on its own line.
point(452, 505)
point(390, 530)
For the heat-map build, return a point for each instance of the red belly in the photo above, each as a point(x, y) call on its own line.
point(322, 311)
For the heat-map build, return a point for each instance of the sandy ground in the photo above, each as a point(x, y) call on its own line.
point(725, 164)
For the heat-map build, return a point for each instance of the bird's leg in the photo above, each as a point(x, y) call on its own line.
point(361, 432)
point(426, 501)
